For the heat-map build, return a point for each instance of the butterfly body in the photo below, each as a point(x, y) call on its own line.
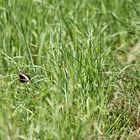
point(24, 78)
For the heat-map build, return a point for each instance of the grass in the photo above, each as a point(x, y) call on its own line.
point(83, 58)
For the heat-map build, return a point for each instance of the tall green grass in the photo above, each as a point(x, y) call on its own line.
point(76, 52)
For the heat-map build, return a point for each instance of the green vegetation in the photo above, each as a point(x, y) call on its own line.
point(83, 58)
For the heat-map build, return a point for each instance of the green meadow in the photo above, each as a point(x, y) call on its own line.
point(83, 58)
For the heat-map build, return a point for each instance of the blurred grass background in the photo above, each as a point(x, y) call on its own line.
point(83, 58)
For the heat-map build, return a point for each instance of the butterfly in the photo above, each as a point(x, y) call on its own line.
point(24, 78)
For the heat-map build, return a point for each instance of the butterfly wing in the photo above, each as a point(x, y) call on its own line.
point(24, 78)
